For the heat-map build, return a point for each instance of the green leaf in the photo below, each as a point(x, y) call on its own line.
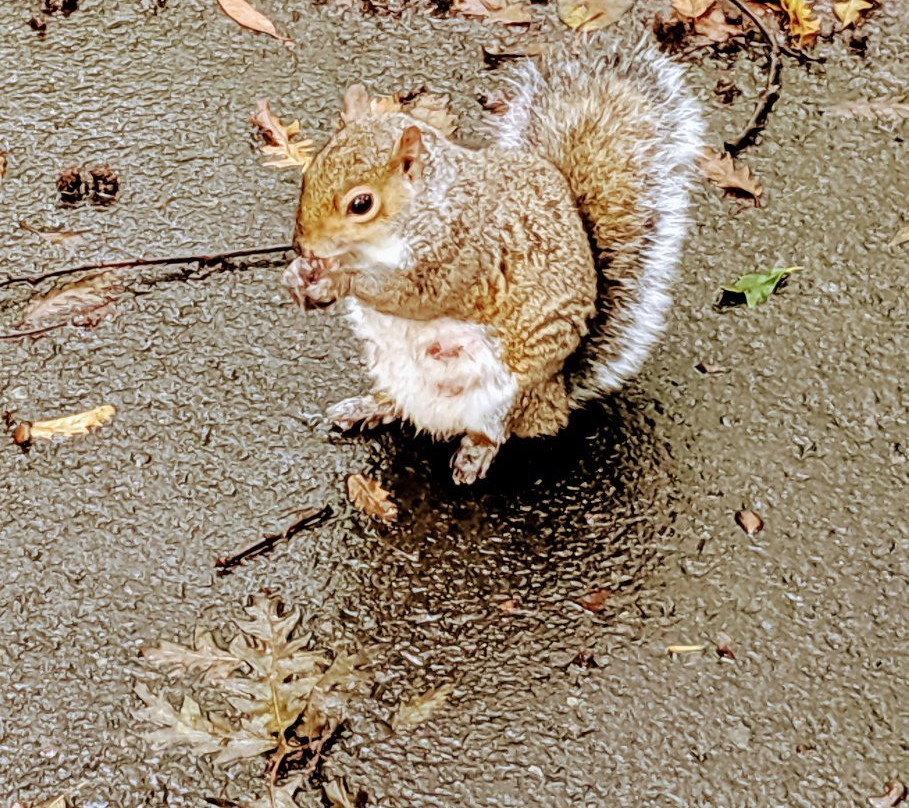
point(758, 286)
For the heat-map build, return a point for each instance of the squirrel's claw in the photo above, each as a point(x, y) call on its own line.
point(474, 457)
point(363, 412)
point(309, 283)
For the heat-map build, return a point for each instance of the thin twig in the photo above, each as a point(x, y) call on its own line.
point(144, 262)
point(35, 333)
point(771, 90)
point(310, 518)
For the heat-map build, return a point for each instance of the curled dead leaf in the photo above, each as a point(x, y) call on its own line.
point(244, 14)
point(84, 302)
point(368, 496)
point(420, 708)
point(721, 170)
point(591, 15)
point(64, 427)
point(281, 144)
point(894, 794)
point(749, 521)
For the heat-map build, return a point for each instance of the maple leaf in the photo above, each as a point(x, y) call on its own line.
point(420, 708)
point(758, 286)
point(371, 498)
point(65, 427)
point(590, 15)
point(802, 24)
point(720, 169)
point(83, 302)
point(494, 11)
point(280, 142)
point(851, 11)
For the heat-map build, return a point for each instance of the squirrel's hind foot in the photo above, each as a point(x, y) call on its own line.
point(474, 457)
point(361, 413)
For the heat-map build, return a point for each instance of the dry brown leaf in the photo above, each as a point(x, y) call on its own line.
point(64, 427)
point(851, 11)
point(894, 794)
point(3, 164)
point(494, 11)
point(691, 9)
point(371, 498)
point(802, 24)
point(720, 169)
point(59, 238)
point(591, 15)
point(749, 521)
point(901, 237)
point(420, 708)
point(280, 143)
point(595, 601)
point(84, 302)
point(685, 649)
point(338, 794)
point(715, 27)
point(871, 109)
point(243, 13)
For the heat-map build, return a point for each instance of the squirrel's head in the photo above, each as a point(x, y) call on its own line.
point(359, 184)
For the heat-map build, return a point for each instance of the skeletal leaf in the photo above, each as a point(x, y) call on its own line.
point(871, 109)
point(371, 498)
point(802, 24)
point(84, 302)
point(851, 11)
point(590, 15)
point(280, 143)
point(749, 521)
point(685, 649)
point(420, 708)
point(64, 427)
point(720, 169)
point(900, 238)
point(338, 794)
point(691, 9)
point(495, 11)
point(758, 286)
point(59, 238)
point(243, 13)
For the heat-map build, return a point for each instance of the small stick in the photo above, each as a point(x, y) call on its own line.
point(771, 91)
point(35, 333)
point(145, 262)
point(312, 517)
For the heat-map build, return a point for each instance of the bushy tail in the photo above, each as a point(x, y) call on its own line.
point(625, 131)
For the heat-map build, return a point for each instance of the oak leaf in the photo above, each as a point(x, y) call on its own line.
point(280, 140)
point(420, 708)
point(495, 11)
point(590, 15)
point(802, 24)
point(65, 427)
point(243, 13)
point(851, 11)
point(720, 169)
point(83, 302)
point(368, 496)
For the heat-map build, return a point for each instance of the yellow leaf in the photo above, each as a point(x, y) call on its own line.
point(65, 427)
point(692, 9)
point(851, 11)
point(801, 22)
point(371, 498)
point(280, 140)
point(589, 15)
point(243, 13)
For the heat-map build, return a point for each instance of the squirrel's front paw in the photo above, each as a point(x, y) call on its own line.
point(363, 412)
point(309, 284)
point(473, 458)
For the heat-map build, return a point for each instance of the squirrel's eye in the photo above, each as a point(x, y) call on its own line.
point(360, 205)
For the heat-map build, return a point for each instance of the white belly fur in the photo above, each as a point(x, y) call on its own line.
point(445, 376)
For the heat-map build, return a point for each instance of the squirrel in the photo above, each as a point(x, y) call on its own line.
point(498, 289)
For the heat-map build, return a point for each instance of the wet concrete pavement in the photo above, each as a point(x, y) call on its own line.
point(109, 540)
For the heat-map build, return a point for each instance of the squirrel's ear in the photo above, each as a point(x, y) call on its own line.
point(356, 103)
point(408, 154)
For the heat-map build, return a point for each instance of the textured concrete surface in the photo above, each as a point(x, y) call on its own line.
point(109, 540)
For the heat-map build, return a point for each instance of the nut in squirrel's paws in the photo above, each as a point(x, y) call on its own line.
point(308, 280)
point(363, 412)
point(472, 460)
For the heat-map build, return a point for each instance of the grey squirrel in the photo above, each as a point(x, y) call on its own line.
point(497, 289)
